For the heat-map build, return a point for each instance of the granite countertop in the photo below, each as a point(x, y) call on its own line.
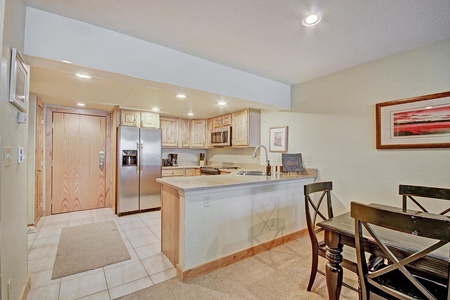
point(194, 183)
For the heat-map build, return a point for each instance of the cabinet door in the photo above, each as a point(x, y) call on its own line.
point(189, 172)
point(129, 118)
point(149, 119)
point(169, 132)
point(226, 120)
point(209, 128)
point(239, 133)
point(198, 132)
point(185, 133)
point(217, 121)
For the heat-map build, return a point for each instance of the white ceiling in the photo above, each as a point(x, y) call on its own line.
point(262, 37)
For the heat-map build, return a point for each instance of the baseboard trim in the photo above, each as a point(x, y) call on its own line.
point(236, 257)
point(26, 288)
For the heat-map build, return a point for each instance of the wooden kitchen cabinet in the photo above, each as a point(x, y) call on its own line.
point(130, 118)
point(220, 121)
point(246, 126)
point(198, 133)
point(139, 119)
point(169, 132)
point(209, 128)
point(185, 134)
point(149, 120)
point(172, 172)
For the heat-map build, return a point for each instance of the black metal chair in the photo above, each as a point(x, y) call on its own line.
point(396, 279)
point(316, 195)
point(412, 192)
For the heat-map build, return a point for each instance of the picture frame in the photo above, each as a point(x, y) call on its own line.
point(419, 122)
point(19, 81)
point(278, 139)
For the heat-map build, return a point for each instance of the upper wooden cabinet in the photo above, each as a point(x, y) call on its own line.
point(220, 121)
point(169, 132)
point(185, 134)
point(130, 118)
point(198, 133)
point(139, 118)
point(149, 119)
point(246, 127)
point(209, 128)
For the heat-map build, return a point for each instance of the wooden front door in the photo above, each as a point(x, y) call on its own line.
point(78, 180)
point(39, 161)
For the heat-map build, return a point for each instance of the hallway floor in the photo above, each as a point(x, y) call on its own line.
point(141, 234)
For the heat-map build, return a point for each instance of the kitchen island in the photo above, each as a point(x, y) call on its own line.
point(209, 222)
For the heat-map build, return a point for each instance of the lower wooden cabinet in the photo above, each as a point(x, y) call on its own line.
point(180, 172)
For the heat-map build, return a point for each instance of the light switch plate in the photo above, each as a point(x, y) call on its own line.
point(7, 156)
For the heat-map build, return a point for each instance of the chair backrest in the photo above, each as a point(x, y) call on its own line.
point(412, 191)
point(395, 278)
point(315, 194)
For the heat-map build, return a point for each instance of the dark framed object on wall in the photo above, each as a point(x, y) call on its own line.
point(419, 122)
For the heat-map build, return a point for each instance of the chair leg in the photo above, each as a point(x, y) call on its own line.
point(314, 263)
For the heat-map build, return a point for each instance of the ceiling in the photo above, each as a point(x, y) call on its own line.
point(262, 37)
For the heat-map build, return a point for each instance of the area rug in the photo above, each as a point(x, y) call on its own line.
point(87, 247)
point(280, 273)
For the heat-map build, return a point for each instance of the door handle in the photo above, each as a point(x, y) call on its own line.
point(101, 160)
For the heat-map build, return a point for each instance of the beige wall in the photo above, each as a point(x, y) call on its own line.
point(332, 123)
point(13, 183)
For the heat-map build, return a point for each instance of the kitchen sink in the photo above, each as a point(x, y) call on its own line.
point(248, 172)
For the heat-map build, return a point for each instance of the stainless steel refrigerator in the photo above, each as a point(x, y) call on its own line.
point(139, 164)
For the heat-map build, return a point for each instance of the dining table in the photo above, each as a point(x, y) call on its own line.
point(339, 231)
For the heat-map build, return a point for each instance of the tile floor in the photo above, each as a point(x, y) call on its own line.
point(141, 234)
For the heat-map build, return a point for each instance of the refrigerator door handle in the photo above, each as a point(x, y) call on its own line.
point(138, 158)
point(141, 168)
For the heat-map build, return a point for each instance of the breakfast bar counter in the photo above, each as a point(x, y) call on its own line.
point(209, 222)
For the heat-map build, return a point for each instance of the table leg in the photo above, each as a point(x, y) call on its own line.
point(333, 270)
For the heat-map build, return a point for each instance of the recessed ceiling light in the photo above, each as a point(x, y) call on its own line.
point(181, 96)
point(190, 114)
point(66, 61)
point(84, 76)
point(311, 20)
point(222, 103)
point(81, 104)
point(429, 107)
point(155, 109)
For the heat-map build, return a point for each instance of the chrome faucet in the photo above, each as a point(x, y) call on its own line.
point(268, 170)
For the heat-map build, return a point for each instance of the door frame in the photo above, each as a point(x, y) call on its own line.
point(49, 150)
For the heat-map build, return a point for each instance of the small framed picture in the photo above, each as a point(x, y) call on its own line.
point(19, 81)
point(278, 139)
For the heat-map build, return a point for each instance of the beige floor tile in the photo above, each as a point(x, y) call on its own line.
point(157, 264)
point(42, 252)
point(82, 274)
point(163, 276)
point(130, 287)
point(43, 278)
point(45, 242)
point(132, 225)
point(103, 295)
point(144, 240)
point(49, 292)
point(41, 264)
point(125, 274)
point(148, 250)
point(137, 232)
point(128, 219)
point(83, 286)
point(51, 232)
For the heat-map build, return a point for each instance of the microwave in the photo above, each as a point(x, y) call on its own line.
point(221, 136)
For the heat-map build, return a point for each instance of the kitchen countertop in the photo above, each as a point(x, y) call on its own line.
point(194, 183)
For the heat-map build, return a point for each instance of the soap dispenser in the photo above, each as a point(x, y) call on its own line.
point(268, 169)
